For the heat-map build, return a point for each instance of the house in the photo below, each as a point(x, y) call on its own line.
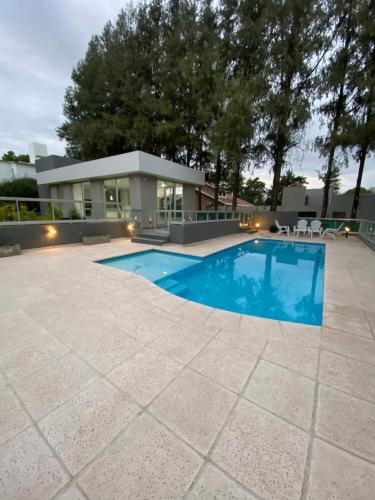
point(207, 194)
point(107, 187)
point(308, 203)
point(10, 170)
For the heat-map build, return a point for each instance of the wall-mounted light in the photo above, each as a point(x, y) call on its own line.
point(130, 227)
point(347, 229)
point(51, 232)
point(150, 220)
point(257, 225)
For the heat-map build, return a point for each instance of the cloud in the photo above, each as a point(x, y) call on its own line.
point(41, 42)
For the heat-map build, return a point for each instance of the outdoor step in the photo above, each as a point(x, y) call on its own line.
point(149, 241)
point(177, 289)
point(153, 235)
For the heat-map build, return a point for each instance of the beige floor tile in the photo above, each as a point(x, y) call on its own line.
point(147, 326)
point(214, 485)
point(11, 318)
point(264, 453)
point(348, 375)
point(335, 474)
point(178, 347)
point(71, 493)
point(195, 408)
point(347, 422)
point(13, 418)
point(20, 335)
point(28, 468)
point(350, 311)
point(350, 325)
point(81, 428)
point(288, 394)
point(301, 335)
point(267, 328)
point(146, 461)
point(223, 320)
point(224, 364)
point(249, 342)
point(27, 360)
point(53, 385)
point(3, 381)
point(301, 359)
point(145, 375)
point(349, 345)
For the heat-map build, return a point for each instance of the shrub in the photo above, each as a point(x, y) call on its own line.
point(74, 214)
point(273, 228)
point(23, 188)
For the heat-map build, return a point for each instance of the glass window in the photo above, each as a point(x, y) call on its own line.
point(82, 195)
point(110, 190)
point(169, 195)
point(123, 193)
point(117, 197)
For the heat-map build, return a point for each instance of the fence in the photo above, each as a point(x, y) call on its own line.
point(367, 231)
point(163, 218)
point(42, 210)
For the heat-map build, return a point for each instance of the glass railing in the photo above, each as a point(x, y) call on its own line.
point(163, 218)
point(39, 210)
point(367, 230)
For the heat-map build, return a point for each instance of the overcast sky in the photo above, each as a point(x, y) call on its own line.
point(40, 42)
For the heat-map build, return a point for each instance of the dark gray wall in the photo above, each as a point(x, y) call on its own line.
point(183, 234)
point(344, 202)
point(54, 161)
point(36, 235)
point(266, 219)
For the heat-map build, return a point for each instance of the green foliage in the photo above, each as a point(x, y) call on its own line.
point(254, 191)
point(273, 228)
point(11, 156)
point(362, 190)
point(335, 178)
point(74, 214)
point(24, 187)
point(286, 180)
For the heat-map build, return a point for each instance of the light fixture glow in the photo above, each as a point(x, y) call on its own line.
point(130, 227)
point(257, 225)
point(51, 232)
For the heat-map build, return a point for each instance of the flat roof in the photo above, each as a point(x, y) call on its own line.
point(136, 162)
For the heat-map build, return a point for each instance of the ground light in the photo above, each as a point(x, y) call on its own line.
point(51, 232)
point(347, 229)
point(130, 227)
point(257, 225)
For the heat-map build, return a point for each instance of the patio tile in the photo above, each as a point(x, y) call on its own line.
point(79, 429)
point(348, 375)
point(178, 347)
point(213, 484)
point(347, 422)
point(25, 361)
point(11, 318)
point(223, 320)
point(49, 387)
point(103, 352)
point(145, 375)
point(350, 311)
point(224, 364)
point(349, 345)
point(146, 461)
point(13, 418)
point(335, 474)
point(268, 328)
point(264, 453)
point(29, 469)
point(350, 325)
point(301, 359)
point(283, 392)
point(194, 314)
point(147, 326)
point(20, 335)
point(195, 408)
point(71, 493)
point(301, 335)
point(249, 342)
point(3, 381)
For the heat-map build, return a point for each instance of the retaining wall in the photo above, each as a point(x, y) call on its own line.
point(183, 234)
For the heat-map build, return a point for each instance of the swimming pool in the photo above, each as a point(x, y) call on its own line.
point(281, 280)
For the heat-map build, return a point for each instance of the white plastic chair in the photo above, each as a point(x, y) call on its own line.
point(282, 229)
point(316, 227)
point(331, 231)
point(301, 227)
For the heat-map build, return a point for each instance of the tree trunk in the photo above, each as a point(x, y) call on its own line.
point(276, 179)
point(357, 191)
point(327, 181)
point(236, 185)
point(217, 181)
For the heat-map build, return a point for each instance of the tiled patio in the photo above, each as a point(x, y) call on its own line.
point(112, 388)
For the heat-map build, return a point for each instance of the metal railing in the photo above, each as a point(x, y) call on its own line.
point(54, 210)
point(163, 218)
point(367, 230)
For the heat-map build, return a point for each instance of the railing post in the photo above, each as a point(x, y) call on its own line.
point(53, 210)
point(18, 211)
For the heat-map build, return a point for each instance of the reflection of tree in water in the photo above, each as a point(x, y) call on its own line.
point(306, 306)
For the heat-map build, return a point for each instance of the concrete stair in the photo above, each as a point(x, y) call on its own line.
point(151, 237)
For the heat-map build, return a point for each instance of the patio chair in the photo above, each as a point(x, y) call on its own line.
point(301, 227)
point(316, 227)
point(331, 231)
point(281, 229)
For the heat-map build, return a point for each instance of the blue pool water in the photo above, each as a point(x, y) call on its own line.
point(280, 280)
